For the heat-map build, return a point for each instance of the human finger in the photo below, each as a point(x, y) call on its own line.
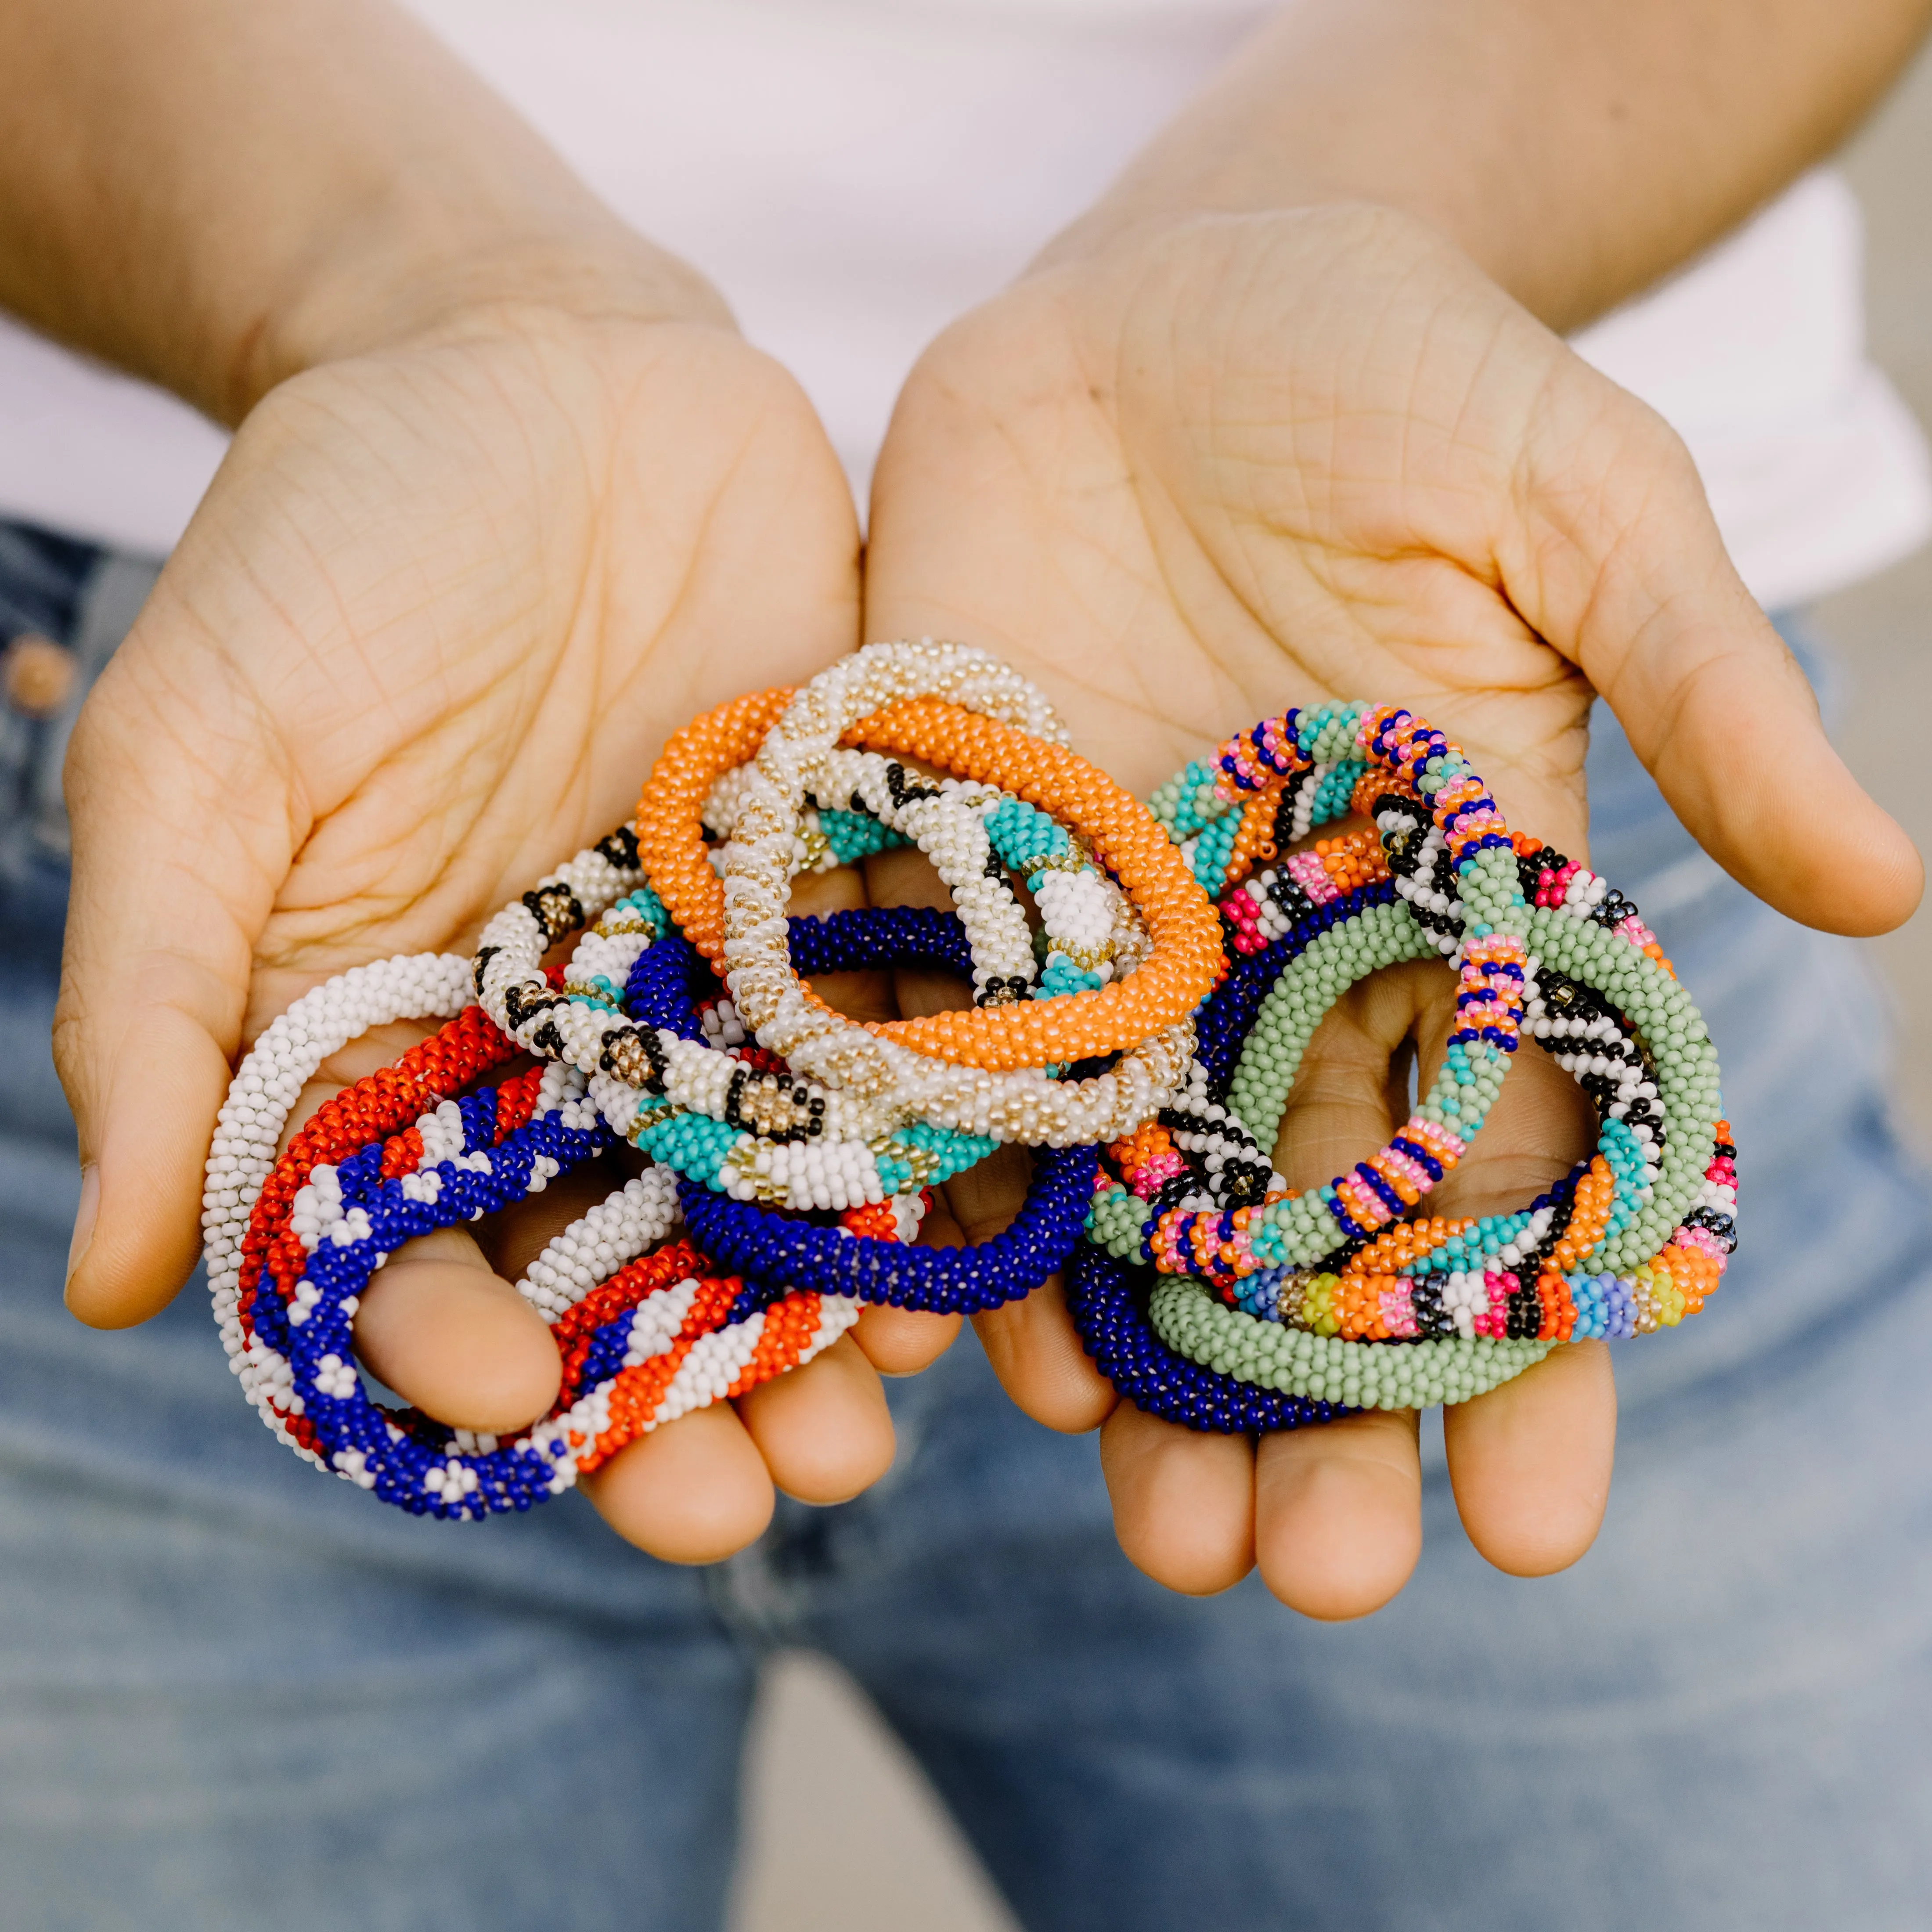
point(1618, 562)
point(1183, 1502)
point(903, 1341)
point(694, 1491)
point(454, 1339)
point(1338, 1514)
point(1531, 1462)
point(1036, 1352)
point(823, 1429)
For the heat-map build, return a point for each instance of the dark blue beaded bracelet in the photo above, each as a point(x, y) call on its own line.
point(666, 975)
point(407, 1460)
point(745, 1239)
point(1114, 1330)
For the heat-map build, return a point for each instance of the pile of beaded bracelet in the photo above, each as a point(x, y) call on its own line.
point(924, 1099)
point(295, 1243)
point(797, 1146)
point(1335, 1295)
point(647, 1332)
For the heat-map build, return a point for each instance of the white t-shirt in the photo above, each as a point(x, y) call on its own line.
point(853, 173)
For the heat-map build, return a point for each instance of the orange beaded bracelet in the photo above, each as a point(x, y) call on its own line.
point(1184, 966)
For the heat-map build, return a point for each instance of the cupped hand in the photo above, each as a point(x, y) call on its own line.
point(1208, 469)
point(438, 612)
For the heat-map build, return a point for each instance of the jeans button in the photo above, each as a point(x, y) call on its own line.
point(37, 675)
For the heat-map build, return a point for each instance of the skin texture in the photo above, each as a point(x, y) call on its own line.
point(511, 500)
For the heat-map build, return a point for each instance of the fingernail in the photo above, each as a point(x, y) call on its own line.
point(83, 1220)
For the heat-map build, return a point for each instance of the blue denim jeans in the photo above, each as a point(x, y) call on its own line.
point(233, 1693)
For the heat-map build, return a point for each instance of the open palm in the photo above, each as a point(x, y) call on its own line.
point(1251, 461)
point(435, 616)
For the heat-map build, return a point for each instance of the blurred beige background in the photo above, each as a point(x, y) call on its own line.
point(1882, 626)
point(886, 1857)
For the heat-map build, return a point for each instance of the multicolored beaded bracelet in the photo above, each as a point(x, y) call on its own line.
point(772, 1247)
point(1185, 955)
point(573, 1023)
point(1478, 1320)
point(647, 1336)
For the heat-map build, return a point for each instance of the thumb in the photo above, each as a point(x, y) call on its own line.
point(180, 837)
point(1627, 575)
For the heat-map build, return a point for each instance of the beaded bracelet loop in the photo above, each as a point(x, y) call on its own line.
point(1185, 957)
point(242, 1158)
point(767, 1247)
point(647, 1332)
point(1485, 1298)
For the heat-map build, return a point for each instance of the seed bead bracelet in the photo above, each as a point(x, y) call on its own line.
point(947, 821)
point(649, 1343)
point(644, 1337)
point(1175, 977)
point(1652, 1181)
point(284, 1059)
point(579, 1021)
point(1491, 1002)
point(767, 1144)
point(768, 1247)
point(1596, 1203)
point(662, 1335)
point(1028, 1107)
point(975, 834)
point(696, 758)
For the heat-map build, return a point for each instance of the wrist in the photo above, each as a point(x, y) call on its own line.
point(1331, 229)
point(410, 274)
